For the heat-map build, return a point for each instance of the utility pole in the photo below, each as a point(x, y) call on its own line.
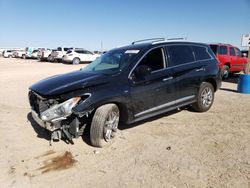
point(248, 61)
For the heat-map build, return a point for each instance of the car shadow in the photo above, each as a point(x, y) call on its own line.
point(41, 132)
point(230, 90)
point(233, 78)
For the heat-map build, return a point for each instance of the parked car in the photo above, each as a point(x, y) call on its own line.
point(123, 86)
point(19, 53)
point(44, 54)
point(8, 53)
point(58, 54)
point(77, 55)
point(230, 58)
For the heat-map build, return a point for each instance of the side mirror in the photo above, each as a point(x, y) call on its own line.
point(142, 71)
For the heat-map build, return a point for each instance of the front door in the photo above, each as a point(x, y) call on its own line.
point(149, 93)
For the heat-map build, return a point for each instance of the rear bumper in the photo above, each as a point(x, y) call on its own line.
point(67, 59)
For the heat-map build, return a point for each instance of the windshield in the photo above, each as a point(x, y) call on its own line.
point(112, 62)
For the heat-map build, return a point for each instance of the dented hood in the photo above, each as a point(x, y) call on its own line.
point(64, 83)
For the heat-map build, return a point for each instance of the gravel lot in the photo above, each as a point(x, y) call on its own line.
point(178, 149)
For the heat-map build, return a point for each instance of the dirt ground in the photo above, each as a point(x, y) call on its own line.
point(178, 149)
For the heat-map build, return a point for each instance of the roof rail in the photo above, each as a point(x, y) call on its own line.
point(152, 39)
point(181, 38)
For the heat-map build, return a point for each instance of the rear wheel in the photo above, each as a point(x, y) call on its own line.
point(24, 56)
point(104, 125)
point(9, 56)
point(225, 72)
point(205, 98)
point(76, 61)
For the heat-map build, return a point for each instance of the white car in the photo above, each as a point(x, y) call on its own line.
point(8, 53)
point(78, 55)
point(58, 54)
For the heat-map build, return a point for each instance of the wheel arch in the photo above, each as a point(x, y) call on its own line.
point(228, 64)
point(213, 82)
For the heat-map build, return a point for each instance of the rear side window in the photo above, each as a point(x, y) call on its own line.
point(223, 50)
point(201, 53)
point(180, 54)
point(154, 59)
point(232, 52)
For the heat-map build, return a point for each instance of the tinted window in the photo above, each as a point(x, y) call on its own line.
point(154, 59)
point(201, 53)
point(214, 48)
point(66, 49)
point(59, 49)
point(180, 54)
point(79, 51)
point(232, 52)
point(87, 52)
point(223, 50)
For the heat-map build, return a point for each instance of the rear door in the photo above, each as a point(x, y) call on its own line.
point(186, 71)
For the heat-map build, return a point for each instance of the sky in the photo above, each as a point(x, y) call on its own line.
point(99, 24)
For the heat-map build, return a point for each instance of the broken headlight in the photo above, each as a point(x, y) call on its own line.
point(60, 110)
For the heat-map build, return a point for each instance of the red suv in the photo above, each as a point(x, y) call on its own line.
point(230, 58)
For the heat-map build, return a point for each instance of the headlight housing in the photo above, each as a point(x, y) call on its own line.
point(60, 110)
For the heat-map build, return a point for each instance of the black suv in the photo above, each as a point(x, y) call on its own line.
point(126, 85)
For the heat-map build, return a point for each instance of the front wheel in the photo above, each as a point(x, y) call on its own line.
point(24, 56)
point(104, 125)
point(205, 98)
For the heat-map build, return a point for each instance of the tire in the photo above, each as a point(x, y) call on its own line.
point(24, 56)
point(104, 125)
point(9, 56)
point(76, 61)
point(225, 72)
point(205, 98)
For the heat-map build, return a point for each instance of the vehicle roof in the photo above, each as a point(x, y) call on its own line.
point(155, 44)
point(221, 44)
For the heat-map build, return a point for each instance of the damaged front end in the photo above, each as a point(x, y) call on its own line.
point(57, 115)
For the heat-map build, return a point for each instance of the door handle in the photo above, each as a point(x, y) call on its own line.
point(201, 69)
point(166, 79)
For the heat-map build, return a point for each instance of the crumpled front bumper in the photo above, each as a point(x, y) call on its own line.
point(47, 125)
